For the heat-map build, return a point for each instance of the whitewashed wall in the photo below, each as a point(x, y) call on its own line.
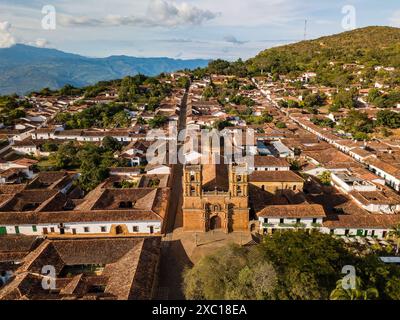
point(94, 227)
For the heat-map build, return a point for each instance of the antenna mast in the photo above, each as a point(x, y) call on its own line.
point(305, 30)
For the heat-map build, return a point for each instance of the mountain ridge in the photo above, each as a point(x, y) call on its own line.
point(26, 68)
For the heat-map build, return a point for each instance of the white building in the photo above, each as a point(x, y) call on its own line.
point(277, 217)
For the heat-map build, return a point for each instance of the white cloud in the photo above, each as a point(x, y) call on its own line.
point(395, 19)
point(233, 39)
point(6, 38)
point(40, 43)
point(159, 13)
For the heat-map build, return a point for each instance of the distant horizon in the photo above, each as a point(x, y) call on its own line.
point(182, 29)
point(104, 57)
point(292, 41)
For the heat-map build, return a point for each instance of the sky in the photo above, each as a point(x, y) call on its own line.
point(227, 29)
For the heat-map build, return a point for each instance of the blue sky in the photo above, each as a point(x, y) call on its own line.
point(229, 29)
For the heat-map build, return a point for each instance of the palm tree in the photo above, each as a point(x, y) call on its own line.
point(339, 293)
point(395, 233)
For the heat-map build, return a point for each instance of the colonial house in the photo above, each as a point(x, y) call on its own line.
point(122, 135)
point(280, 217)
point(276, 181)
point(88, 269)
point(45, 133)
point(369, 225)
point(389, 172)
point(53, 180)
point(13, 250)
point(103, 212)
point(25, 147)
point(135, 152)
point(368, 195)
point(158, 169)
point(11, 176)
point(381, 200)
point(24, 165)
point(269, 163)
point(124, 171)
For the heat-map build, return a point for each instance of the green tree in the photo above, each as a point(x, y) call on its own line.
point(388, 119)
point(222, 124)
point(66, 156)
point(280, 125)
point(345, 99)
point(299, 285)
point(121, 119)
point(157, 122)
point(111, 144)
point(256, 282)
point(325, 178)
point(395, 233)
point(357, 122)
point(49, 147)
point(358, 293)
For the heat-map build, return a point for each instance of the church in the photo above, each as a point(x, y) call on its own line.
point(215, 198)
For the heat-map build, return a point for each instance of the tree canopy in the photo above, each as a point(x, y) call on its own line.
point(291, 265)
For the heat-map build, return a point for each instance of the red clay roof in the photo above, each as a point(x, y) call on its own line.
point(294, 211)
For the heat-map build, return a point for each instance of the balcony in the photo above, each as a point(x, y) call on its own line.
point(216, 193)
point(268, 225)
point(285, 225)
point(292, 225)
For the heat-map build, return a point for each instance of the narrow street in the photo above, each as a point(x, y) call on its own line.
point(181, 249)
point(173, 255)
point(174, 217)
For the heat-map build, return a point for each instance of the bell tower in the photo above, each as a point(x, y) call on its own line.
point(238, 180)
point(192, 181)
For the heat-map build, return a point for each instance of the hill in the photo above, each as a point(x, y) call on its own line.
point(368, 46)
point(25, 68)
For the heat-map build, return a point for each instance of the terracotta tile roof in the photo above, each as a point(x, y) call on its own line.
point(215, 176)
point(125, 170)
point(362, 221)
point(25, 162)
point(384, 197)
point(17, 243)
point(269, 161)
point(275, 176)
point(25, 143)
point(51, 180)
point(9, 173)
point(293, 211)
point(362, 152)
point(130, 266)
point(328, 156)
point(26, 198)
point(151, 205)
point(387, 167)
point(110, 199)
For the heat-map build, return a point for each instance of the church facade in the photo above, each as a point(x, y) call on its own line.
point(215, 198)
